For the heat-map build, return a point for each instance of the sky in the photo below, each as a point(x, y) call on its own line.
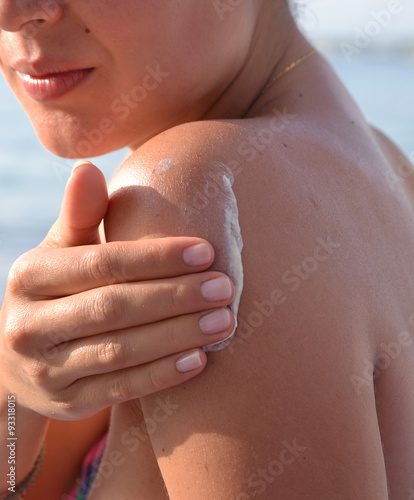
point(387, 23)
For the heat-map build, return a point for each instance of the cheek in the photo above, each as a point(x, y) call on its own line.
point(208, 54)
point(194, 49)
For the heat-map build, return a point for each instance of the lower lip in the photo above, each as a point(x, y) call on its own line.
point(53, 86)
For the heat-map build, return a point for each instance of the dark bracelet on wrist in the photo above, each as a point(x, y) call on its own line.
point(21, 489)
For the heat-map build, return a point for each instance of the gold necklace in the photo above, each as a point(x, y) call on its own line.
point(287, 69)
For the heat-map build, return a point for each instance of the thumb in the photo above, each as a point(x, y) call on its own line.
point(84, 205)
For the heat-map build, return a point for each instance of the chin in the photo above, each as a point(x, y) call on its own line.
point(76, 137)
point(79, 147)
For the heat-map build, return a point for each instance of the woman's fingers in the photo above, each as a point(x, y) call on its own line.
point(139, 345)
point(117, 307)
point(49, 273)
point(86, 395)
point(92, 325)
point(84, 205)
point(108, 314)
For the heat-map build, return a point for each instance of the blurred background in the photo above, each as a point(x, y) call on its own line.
point(370, 43)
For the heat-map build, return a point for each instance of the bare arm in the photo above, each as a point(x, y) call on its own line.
point(274, 415)
point(69, 346)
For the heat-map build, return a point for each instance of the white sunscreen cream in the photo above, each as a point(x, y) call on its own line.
point(207, 203)
point(229, 244)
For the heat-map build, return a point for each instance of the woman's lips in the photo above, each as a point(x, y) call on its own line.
point(52, 85)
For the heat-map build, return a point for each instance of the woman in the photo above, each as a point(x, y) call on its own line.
point(313, 397)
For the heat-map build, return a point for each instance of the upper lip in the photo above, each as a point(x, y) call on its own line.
point(42, 68)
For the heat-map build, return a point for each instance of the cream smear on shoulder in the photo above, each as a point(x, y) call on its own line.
point(207, 207)
point(229, 242)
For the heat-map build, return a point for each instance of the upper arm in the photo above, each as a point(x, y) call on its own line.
point(274, 415)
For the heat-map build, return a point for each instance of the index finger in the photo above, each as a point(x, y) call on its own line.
point(58, 272)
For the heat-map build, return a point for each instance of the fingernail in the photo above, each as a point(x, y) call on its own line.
point(189, 362)
point(197, 255)
point(216, 289)
point(78, 164)
point(215, 322)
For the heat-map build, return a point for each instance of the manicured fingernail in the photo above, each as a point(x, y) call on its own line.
point(197, 255)
point(78, 164)
point(216, 289)
point(189, 362)
point(215, 322)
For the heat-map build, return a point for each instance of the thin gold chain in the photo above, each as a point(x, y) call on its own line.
point(287, 69)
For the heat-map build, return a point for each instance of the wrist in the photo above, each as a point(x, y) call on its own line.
point(22, 434)
point(17, 490)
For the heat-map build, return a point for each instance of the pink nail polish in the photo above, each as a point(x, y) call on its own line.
point(217, 289)
point(189, 362)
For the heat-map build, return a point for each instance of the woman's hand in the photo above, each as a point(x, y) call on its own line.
point(86, 325)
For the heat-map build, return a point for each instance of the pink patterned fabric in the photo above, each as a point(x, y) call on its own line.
point(90, 466)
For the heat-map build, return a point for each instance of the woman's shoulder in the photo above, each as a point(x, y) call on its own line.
point(195, 145)
point(183, 165)
point(172, 179)
point(292, 342)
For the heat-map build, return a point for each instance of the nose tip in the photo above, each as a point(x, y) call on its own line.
point(28, 15)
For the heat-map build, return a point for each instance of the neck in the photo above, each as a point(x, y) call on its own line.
point(276, 43)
